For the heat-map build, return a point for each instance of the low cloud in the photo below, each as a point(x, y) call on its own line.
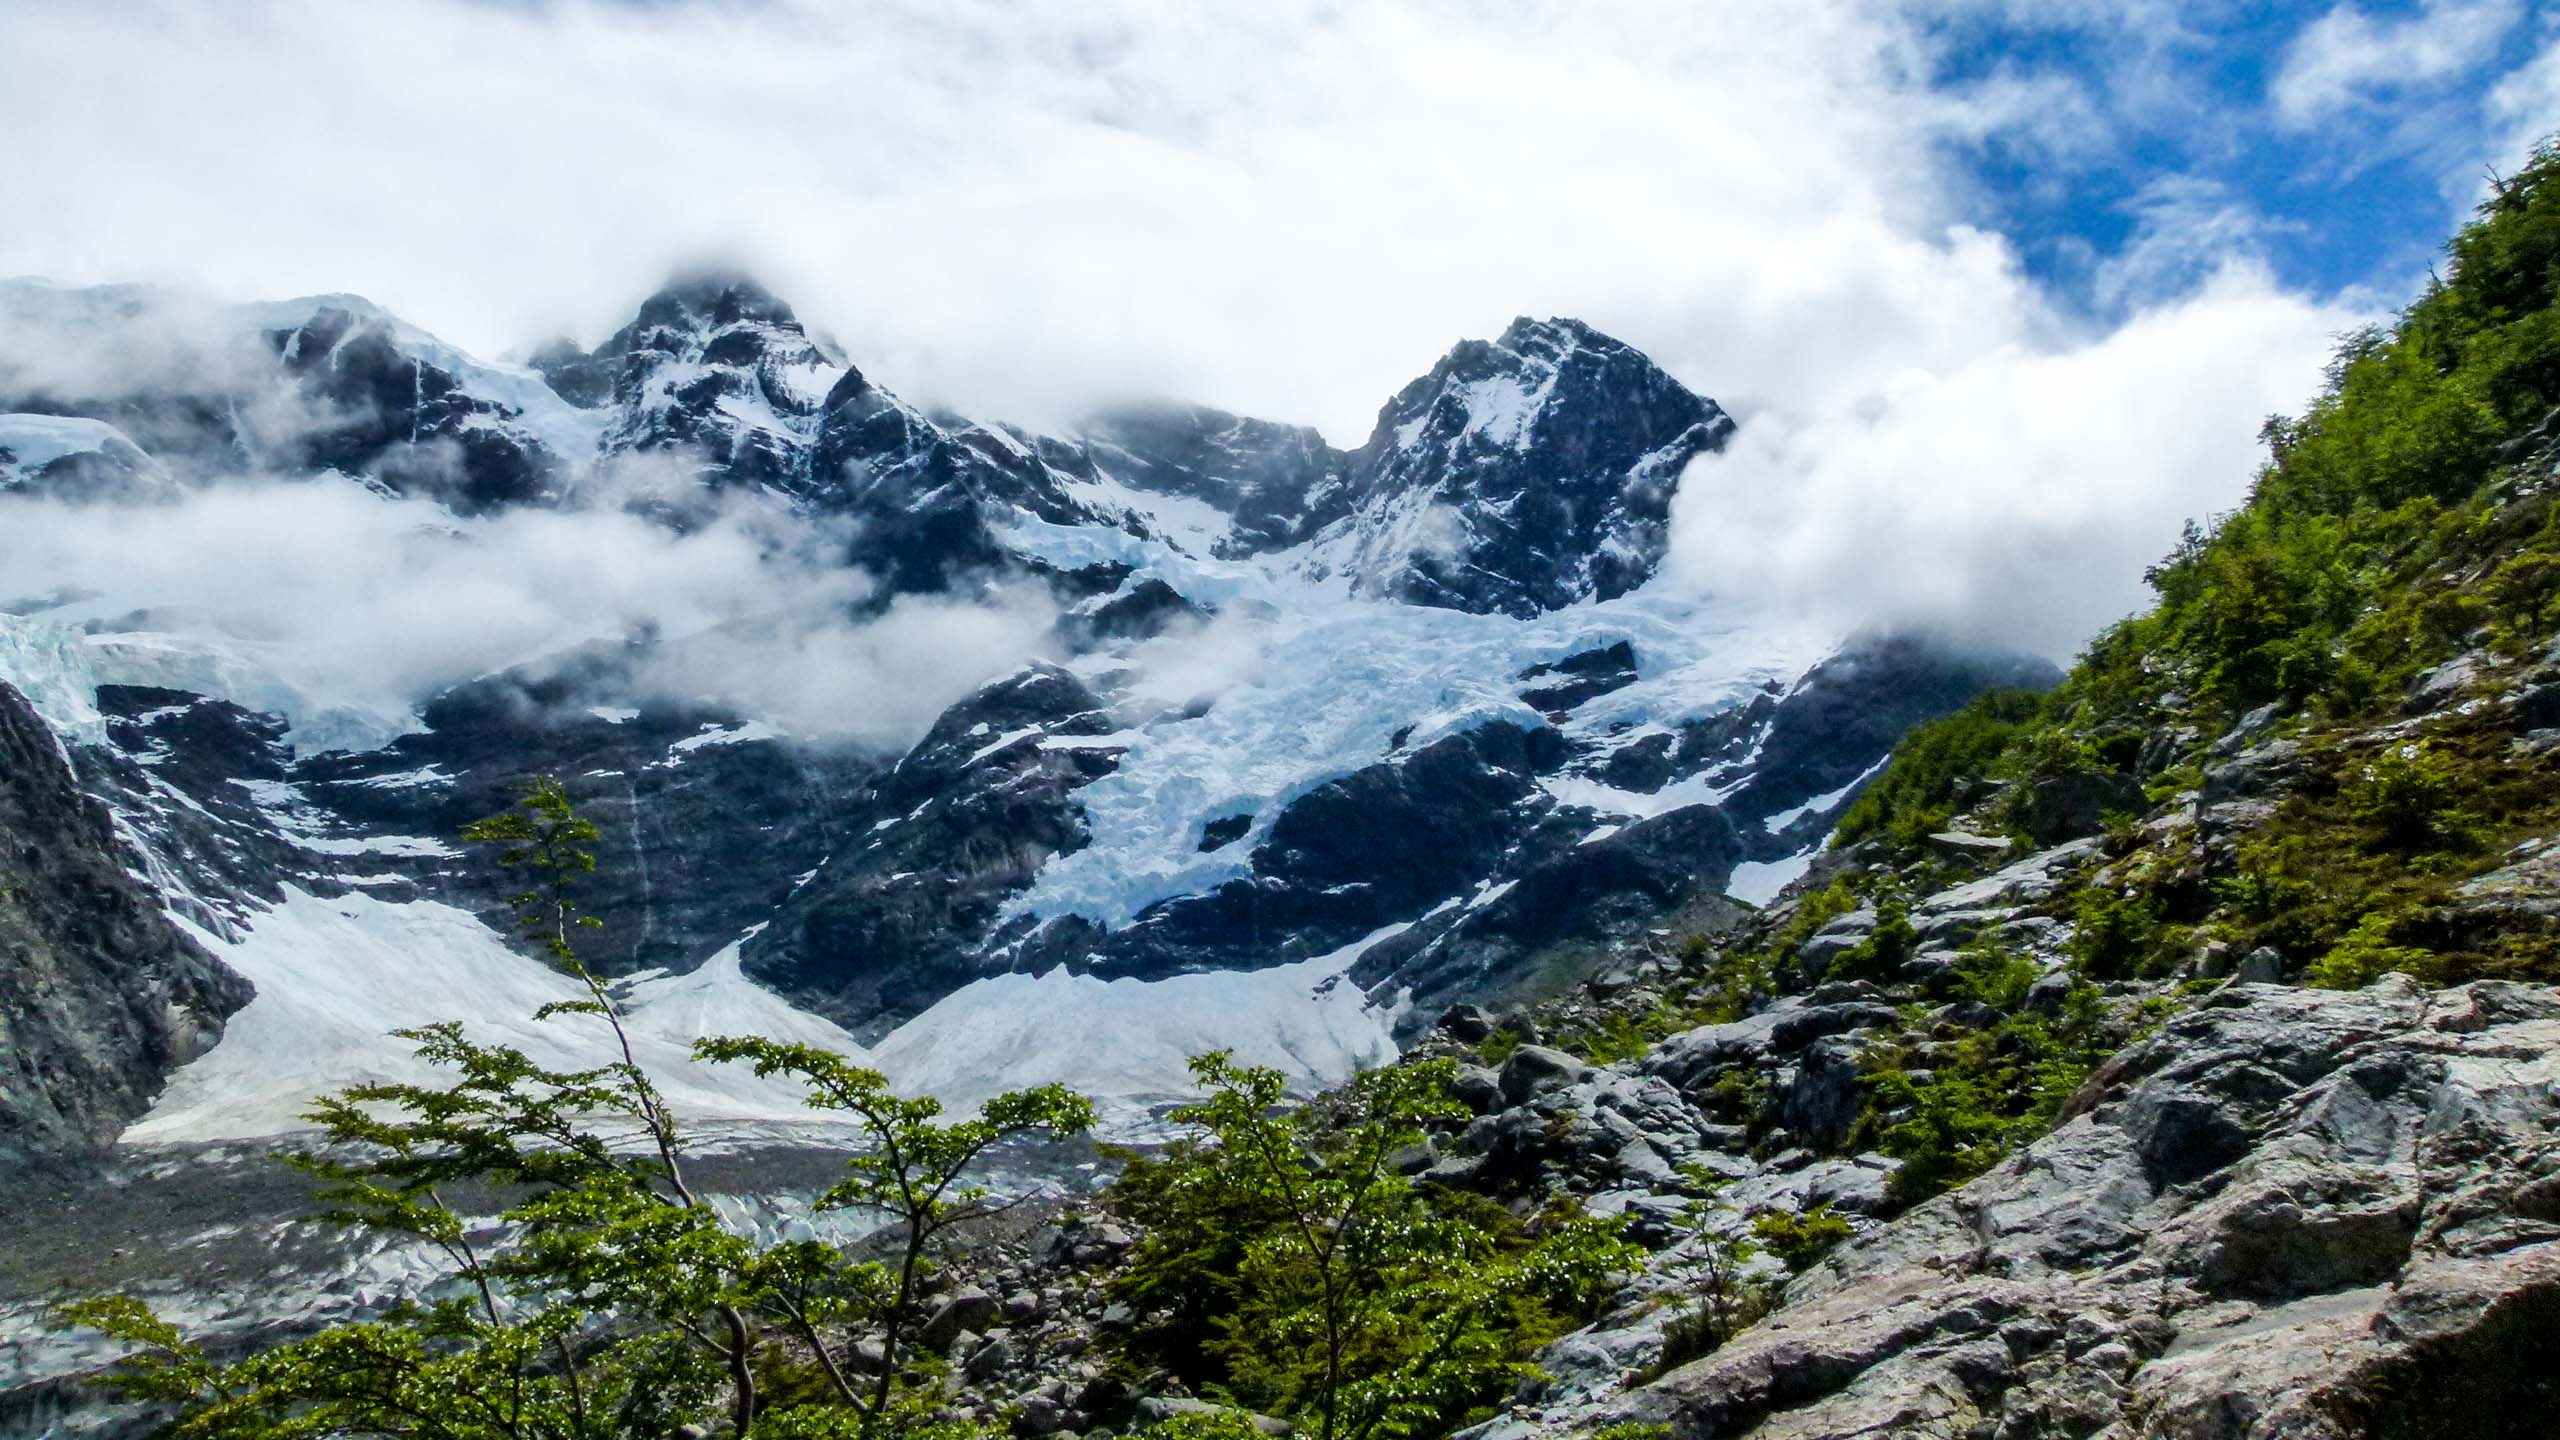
point(345, 609)
point(1290, 213)
point(2525, 103)
point(2012, 498)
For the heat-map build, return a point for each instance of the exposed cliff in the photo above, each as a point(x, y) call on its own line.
point(100, 995)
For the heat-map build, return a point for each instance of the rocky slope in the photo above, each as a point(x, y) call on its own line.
point(2182, 1043)
point(2289, 1212)
point(100, 996)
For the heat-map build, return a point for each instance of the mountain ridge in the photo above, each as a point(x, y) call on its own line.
point(1440, 790)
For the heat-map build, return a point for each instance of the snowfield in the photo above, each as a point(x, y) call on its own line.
point(1126, 1043)
point(35, 441)
point(336, 976)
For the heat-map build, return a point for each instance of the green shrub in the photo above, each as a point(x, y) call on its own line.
point(2116, 932)
point(2410, 796)
point(1800, 1239)
point(1950, 1109)
point(1988, 973)
point(1915, 796)
point(1308, 1279)
point(1879, 957)
point(2368, 953)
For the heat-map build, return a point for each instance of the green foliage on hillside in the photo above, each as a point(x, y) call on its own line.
point(2393, 527)
point(1951, 1099)
point(1293, 1269)
point(2315, 590)
point(1918, 792)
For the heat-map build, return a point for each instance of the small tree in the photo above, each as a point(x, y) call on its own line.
point(913, 1171)
point(607, 1299)
point(1721, 1291)
point(1364, 1305)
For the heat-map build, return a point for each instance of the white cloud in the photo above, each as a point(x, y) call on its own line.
point(1288, 209)
point(2524, 107)
point(342, 609)
point(2347, 56)
point(2186, 231)
point(2015, 496)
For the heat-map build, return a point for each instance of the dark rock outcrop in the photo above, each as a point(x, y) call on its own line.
point(100, 995)
point(377, 406)
point(903, 912)
point(1280, 483)
point(1523, 473)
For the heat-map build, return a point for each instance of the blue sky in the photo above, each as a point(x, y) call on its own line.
point(2337, 142)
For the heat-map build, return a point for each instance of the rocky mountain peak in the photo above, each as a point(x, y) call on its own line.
point(716, 364)
point(713, 298)
point(1504, 394)
point(1522, 474)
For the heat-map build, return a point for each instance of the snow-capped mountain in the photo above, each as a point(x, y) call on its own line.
point(1313, 743)
point(72, 456)
point(328, 382)
point(715, 367)
point(1521, 474)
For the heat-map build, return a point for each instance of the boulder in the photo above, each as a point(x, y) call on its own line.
point(2446, 683)
point(1477, 1088)
point(1532, 1070)
point(1842, 934)
point(2288, 1212)
point(2074, 803)
point(968, 1308)
point(1966, 845)
point(1156, 1409)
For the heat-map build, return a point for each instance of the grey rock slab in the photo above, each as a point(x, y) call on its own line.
point(2287, 1213)
point(2022, 882)
point(1532, 1070)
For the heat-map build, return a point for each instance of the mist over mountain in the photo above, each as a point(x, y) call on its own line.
point(923, 723)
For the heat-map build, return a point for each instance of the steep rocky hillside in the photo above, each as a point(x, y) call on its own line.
point(100, 996)
point(2110, 1021)
point(2173, 1055)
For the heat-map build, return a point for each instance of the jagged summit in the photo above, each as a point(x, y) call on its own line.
point(715, 364)
point(1522, 474)
point(712, 297)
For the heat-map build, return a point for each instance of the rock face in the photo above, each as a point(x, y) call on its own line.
point(717, 371)
point(954, 830)
point(1278, 483)
point(1522, 474)
point(2289, 1213)
point(703, 821)
point(380, 406)
point(100, 996)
